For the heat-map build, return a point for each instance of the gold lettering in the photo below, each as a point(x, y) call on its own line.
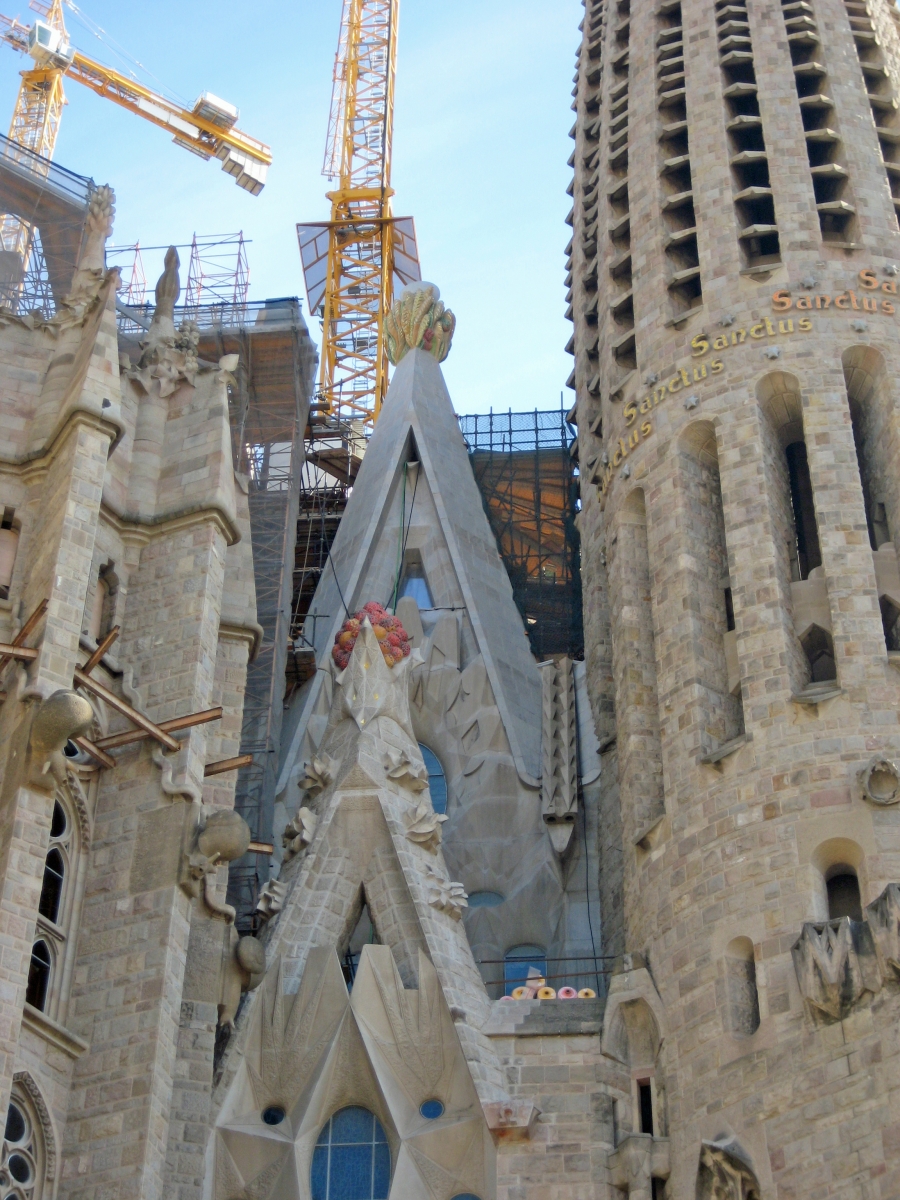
point(761, 328)
point(823, 301)
point(646, 428)
point(699, 345)
point(786, 326)
point(867, 279)
point(804, 302)
point(887, 307)
point(699, 372)
point(853, 303)
point(721, 342)
point(770, 328)
point(782, 301)
point(672, 384)
point(633, 438)
point(842, 301)
point(890, 286)
point(716, 366)
point(647, 403)
point(685, 378)
point(804, 324)
point(630, 412)
point(660, 394)
point(870, 304)
point(617, 457)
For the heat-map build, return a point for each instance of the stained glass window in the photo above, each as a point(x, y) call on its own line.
point(437, 780)
point(352, 1159)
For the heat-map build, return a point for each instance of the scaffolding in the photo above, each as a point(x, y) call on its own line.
point(218, 279)
point(528, 479)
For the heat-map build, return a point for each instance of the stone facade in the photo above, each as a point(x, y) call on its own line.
point(733, 273)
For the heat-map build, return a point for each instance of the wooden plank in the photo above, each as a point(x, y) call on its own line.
point(260, 848)
point(95, 752)
point(126, 710)
point(140, 735)
point(11, 650)
point(6, 659)
point(101, 650)
point(227, 764)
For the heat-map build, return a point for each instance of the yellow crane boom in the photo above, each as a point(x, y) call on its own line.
point(208, 129)
point(351, 262)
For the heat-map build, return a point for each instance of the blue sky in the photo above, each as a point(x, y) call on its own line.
point(480, 149)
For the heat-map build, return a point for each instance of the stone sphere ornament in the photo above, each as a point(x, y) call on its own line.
point(225, 837)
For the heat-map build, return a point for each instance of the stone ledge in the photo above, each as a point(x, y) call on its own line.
point(54, 1033)
point(544, 1018)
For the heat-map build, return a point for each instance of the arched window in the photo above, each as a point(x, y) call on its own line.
point(437, 780)
point(38, 975)
point(352, 1159)
point(844, 900)
point(52, 887)
point(415, 584)
point(519, 961)
point(23, 1161)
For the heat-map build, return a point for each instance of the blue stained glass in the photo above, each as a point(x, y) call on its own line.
point(518, 962)
point(432, 1109)
point(437, 781)
point(466, 1196)
point(352, 1159)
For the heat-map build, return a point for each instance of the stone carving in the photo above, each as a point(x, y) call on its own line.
point(637, 1160)
point(271, 899)
point(879, 781)
point(62, 716)
point(221, 838)
point(405, 771)
point(166, 356)
point(423, 826)
point(419, 320)
point(369, 688)
point(318, 774)
point(883, 917)
point(91, 270)
point(726, 1172)
point(445, 896)
point(244, 970)
point(559, 746)
point(26, 1082)
point(299, 833)
point(835, 964)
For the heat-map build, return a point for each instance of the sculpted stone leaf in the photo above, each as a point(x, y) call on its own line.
point(445, 896)
point(299, 833)
point(423, 826)
point(317, 775)
point(271, 899)
point(403, 770)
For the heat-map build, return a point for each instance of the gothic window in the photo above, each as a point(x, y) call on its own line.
point(22, 1163)
point(39, 975)
point(415, 585)
point(437, 780)
point(352, 1159)
point(519, 961)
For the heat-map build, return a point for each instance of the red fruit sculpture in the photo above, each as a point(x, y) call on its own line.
point(392, 637)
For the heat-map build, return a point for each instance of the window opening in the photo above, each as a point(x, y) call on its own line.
point(364, 934)
point(517, 963)
point(9, 545)
point(645, 1101)
point(22, 1154)
point(740, 983)
point(352, 1159)
point(38, 976)
point(52, 886)
point(437, 780)
point(844, 899)
point(809, 555)
point(415, 585)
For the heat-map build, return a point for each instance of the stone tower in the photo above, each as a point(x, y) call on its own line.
point(733, 274)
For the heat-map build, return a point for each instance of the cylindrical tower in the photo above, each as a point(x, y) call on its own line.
point(734, 292)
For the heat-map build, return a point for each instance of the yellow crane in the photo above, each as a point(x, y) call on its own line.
point(352, 263)
point(208, 129)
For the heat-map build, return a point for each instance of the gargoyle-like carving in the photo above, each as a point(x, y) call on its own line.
point(318, 774)
point(403, 770)
point(835, 964)
point(271, 899)
point(62, 716)
point(879, 781)
point(244, 970)
point(445, 896)
point(419, 320)
point(91, 269)
point(424, 827)
point(222, 838)
point(726, 1172)
point(559, 774)
point(299, 833)
point(883, 917)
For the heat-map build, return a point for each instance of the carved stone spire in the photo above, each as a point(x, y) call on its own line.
point(168, 289)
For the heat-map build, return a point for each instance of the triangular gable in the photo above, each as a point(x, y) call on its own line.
point(418, 402)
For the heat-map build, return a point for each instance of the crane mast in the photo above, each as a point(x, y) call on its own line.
point(351, 261)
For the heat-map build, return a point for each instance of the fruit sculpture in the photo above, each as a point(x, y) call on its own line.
point(392, 637)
